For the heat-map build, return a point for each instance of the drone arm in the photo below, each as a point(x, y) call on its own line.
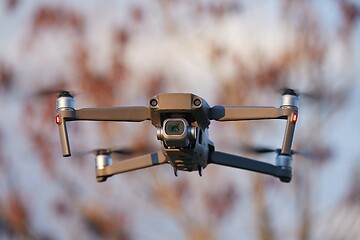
point(229, 160)
point(128, 114)
point(136, 163)
point(61, 119)
point(125, 114)
point(64, 139)
point(289, 135)
point(236, 113)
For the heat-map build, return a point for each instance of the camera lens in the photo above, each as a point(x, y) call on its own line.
point(175, 127)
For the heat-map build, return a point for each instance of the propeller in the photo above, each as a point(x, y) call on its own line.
point(120, 151)
point(104, 151)
point(263, 150)
point(57, 90)
point(50, 92)
point(318, 96)
point(289, 91)
point(318, 153)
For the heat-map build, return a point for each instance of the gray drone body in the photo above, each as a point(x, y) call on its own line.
point(182, 121)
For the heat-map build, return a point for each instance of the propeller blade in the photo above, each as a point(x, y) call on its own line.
point(313, 96)
point(123, 151)
point(289, 91)
point(252, 149)
point(264, 150)
point(100, 151)
point(57, 92)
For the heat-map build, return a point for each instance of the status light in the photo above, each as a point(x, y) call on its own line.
point(58, 120)
point(294, 118)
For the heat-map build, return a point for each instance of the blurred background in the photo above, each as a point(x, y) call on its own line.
point(115, 53)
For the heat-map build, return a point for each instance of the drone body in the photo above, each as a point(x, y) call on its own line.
point(182, 121)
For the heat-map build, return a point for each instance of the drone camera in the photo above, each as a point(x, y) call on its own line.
point(176, 133)
point(175, 127)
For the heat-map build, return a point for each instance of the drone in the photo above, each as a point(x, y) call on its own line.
point(182, 121)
